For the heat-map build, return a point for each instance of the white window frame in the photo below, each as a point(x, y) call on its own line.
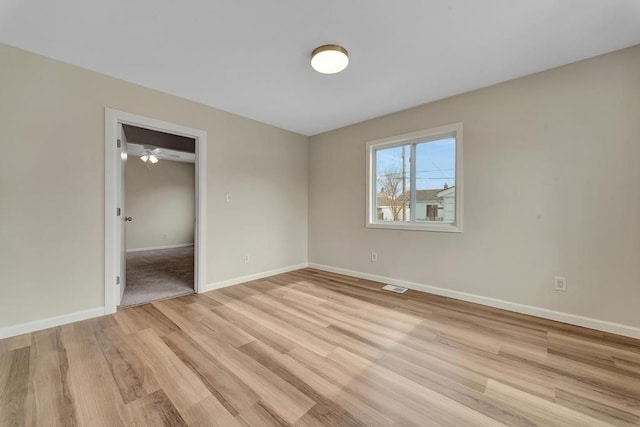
point(411, 138)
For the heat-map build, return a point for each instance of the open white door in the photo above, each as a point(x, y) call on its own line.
point(122, 218)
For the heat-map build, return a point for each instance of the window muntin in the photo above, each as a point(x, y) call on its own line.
point(414, 180)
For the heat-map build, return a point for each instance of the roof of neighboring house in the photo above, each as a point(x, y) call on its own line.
point(421, 196)
point(447, 191)
point(427, 195)
point(382, 200)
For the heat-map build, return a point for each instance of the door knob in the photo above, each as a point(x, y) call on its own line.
point(128, 218)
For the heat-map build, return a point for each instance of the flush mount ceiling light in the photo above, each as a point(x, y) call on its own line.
point(329, 59)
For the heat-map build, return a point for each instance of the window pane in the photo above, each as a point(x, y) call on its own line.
point(413, 181)
point(393, 193)
point(436, 180)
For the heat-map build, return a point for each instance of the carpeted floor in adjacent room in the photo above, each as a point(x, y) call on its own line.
point(158, 274)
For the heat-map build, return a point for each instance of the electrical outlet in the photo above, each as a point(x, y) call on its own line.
point(247, 258)
point(560, 283)
point(227, 197)
point(374, 256)
point(165, 236)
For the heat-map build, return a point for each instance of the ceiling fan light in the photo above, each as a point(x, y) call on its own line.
point(329, 59)
point(144, 158)
point(153, 159)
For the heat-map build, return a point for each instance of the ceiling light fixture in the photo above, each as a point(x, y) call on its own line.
point(148, 155)
point(329, 59)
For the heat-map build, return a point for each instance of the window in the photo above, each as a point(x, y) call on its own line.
point(414, 181)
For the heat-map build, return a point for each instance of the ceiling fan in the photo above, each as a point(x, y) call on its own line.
point(149, 155)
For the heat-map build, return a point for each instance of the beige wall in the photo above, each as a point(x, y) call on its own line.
point(52, 185)
point(551, 188)
point(161, 201)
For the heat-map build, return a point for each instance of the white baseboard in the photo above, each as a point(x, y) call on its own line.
point(37, 325)
point(572, 319)
point(182, 245)
point(249, 278)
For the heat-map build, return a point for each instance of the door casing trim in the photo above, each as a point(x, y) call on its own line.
point(111, 190)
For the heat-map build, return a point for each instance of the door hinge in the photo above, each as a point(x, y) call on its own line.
point(118, 212)
point(117, 280)
point(119, 143)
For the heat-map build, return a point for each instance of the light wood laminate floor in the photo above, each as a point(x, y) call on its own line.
point(310, 348)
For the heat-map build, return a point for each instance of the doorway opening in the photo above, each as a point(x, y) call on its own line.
point(155, 198)
point(159, 216)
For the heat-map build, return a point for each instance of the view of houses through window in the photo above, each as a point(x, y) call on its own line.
point(417, 181)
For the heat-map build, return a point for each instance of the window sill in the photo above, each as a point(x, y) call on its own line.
point(412, 226)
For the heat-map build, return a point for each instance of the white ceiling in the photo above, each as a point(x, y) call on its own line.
point(252, 57)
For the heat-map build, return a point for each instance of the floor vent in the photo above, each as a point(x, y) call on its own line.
point(396, 289)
